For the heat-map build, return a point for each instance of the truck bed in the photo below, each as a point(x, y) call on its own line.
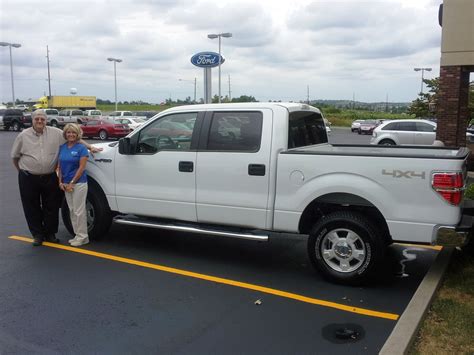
point(413, 151)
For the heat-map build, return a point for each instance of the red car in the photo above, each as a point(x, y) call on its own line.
point(104, 129)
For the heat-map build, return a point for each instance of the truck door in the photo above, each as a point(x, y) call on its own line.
point(159, 178)
point(233, 168)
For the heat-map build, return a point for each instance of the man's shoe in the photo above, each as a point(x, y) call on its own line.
point(79, 242)
point(37, 242)
point(72, 240)
point(52, 238)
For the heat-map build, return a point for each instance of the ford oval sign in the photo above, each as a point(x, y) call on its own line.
point(206, 59)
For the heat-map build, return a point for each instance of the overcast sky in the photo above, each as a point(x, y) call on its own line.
point(340, 49)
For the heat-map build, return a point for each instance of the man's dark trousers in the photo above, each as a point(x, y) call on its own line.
point(41, 199)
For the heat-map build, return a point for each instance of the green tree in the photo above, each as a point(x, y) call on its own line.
point(421, 106)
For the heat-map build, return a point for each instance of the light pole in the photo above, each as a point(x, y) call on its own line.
point(219, 35)
point(115, 60)
point(14, 45)
point(422, 76)
point(191, 81)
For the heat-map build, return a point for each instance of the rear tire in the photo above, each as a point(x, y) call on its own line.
point(16, 126)
point(346, 248)
point(99, 216)
point(54, 123)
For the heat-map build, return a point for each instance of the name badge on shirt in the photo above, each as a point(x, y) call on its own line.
point(74, 153)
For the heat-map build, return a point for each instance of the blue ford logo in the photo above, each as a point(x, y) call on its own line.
point(206, 59)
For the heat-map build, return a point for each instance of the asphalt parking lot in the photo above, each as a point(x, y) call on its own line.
point(147, 291)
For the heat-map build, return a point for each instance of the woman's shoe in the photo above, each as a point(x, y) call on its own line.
point(79, 242)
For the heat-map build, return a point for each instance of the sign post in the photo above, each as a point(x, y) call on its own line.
point(207, 61)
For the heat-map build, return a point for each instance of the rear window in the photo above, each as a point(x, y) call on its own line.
point(306, 128)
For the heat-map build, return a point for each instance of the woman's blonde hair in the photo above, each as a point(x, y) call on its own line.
point(74, 127)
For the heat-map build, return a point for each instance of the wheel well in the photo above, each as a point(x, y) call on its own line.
point(329, 203)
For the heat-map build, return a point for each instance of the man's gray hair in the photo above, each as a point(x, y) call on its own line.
point(39, 112)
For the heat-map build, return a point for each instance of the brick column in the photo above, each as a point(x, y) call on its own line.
point(452, 106)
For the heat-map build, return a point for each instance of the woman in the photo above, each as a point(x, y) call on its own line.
point(73, 181)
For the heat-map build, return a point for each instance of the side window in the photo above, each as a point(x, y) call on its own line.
point(406, 126)
point(391, 127)
point(424, 127)
point(306, 128)
point(173, 132)
point(235, 131)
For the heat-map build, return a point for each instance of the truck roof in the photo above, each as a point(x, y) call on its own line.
point(290, 106)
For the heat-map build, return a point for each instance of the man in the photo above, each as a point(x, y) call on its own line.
point(35, 155)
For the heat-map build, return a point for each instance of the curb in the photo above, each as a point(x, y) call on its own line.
point(406, 329)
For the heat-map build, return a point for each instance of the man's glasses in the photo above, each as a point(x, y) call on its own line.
point(40, 119)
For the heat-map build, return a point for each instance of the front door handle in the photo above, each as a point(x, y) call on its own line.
point(257, 169)
point(186, 166)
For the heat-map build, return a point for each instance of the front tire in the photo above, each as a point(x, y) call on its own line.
point(346, 248)
point(103, 135)
point(54, 123)
point(99, 216)
point(387, 142)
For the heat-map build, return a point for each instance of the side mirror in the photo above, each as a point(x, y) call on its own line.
point(124, 146)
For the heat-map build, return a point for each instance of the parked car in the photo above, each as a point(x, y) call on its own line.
point(367, 127)
point(121, 114)
point(145, 115)
point(68, 116)
point(88, 114)
point(398, 132)
point(132, 122)
point(22, 107)
point(12, 118)
point(104, 129)
point(355, 125)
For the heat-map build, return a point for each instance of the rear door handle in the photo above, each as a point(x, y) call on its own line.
point(257, 169)
point(186, 166)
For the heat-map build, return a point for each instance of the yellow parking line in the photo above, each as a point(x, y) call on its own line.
point(271, 291)
point(433, 247)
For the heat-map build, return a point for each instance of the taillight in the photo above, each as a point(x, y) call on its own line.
point(450, 186)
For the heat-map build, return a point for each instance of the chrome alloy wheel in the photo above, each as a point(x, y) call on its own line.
point(343, 250)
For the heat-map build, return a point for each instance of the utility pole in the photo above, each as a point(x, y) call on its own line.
point(353, 100)
point(307, 94)
point(49, 76)
point(230, 97)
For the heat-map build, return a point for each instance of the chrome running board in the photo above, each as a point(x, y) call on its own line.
point(189, 229)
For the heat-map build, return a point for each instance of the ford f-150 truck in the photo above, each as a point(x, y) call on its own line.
point(258, 170)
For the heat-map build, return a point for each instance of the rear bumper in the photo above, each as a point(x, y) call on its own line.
point(457, 236)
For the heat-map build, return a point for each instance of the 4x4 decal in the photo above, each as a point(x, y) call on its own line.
point(406, 174)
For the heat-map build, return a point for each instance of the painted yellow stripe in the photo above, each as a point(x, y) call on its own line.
point(433, 247)
point(271, 291)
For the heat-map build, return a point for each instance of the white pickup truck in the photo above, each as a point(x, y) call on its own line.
point(254, 171)
point(68, 116)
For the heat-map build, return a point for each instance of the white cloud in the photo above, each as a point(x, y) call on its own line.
point(277, 49)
